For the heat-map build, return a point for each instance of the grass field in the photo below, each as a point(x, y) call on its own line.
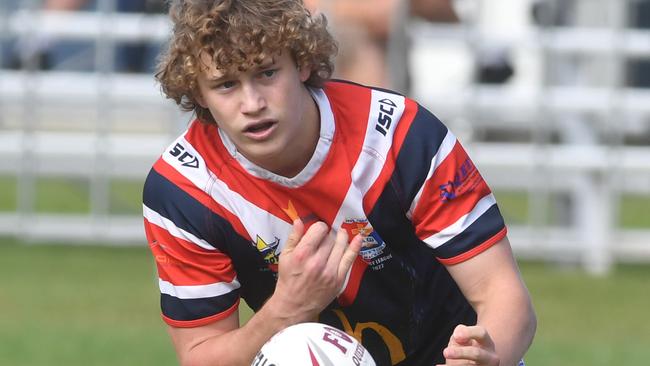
point(90, 305)
point(96, 305)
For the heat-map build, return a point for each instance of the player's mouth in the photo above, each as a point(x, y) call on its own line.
point(260, 130)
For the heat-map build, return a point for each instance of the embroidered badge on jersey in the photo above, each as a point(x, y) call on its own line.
point(373, 247)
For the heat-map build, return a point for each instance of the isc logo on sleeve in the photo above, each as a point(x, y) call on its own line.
point(386, 115)
point(186, 159)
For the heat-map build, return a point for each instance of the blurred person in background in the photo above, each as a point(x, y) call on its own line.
point(316, 199)
point(364, 28)
point(374, 46)
point(42, 52)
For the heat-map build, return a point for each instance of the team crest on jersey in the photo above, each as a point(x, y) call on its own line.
point(268, 250)
point(373, 247)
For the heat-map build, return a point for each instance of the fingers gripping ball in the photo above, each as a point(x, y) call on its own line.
point(312, 344)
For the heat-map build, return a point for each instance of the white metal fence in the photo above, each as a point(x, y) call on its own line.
point(549, 138)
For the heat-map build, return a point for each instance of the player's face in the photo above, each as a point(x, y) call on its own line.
point(266, 111)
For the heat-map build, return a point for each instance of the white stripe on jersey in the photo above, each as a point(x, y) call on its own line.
point(198, 173)
point(199, 291)
point(256, 221)
point(461, 224)
point(372, 158)
point(445, 148)
point(376, 145)
point(156, 219)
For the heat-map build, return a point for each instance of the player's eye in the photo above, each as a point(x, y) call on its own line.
point(269, 73)
point(225, 85)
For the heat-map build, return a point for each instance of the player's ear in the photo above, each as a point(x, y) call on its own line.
point(200, 100)
point(304, 72)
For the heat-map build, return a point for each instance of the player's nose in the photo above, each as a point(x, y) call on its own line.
point(252, 100)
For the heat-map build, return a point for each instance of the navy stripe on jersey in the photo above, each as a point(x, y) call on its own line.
point(171, 202)
point(194, 309)
point(427, 283)
point(485, 227)
point(162, 196)
point(421, 144)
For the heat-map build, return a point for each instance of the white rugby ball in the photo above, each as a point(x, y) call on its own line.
point(312, 344)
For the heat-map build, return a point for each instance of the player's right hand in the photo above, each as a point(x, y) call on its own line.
point(312, 269)
point(470, 345)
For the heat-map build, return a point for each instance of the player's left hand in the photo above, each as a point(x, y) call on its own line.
point(471, 345)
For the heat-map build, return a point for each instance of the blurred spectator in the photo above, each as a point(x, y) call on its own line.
point(363, 29)
point(44, 53)
point(366, 28)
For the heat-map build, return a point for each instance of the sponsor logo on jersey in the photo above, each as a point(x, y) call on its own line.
point(186, 159)
point(465, 180)
point(385, 116)
point(268, 251)
point(373, 247)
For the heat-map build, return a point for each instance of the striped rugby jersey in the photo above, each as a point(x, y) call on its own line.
point(384, 167)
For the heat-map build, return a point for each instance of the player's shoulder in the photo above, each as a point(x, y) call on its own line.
point(382, 109)
point(349, 95)
point(347, 87)
point(183, 159)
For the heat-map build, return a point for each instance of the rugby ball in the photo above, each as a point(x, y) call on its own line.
point(312, 344)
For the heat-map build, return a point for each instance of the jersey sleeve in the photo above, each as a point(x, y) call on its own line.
point(197, 280)
point(449, 203)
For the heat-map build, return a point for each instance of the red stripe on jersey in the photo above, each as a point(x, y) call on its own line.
point(188, 187)
point(314, 361)
point(325, 192)
point(401, 131)
point(476, 250)
point(453, 191)
point(313, 198)
point(347, 297)
point(183, 263)
point(202, 321)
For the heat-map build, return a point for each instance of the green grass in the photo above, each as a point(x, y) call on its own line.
point(72, 196)
point(585, 320)
point(515, 208)
point(126, 197)
point(62, 195)
point(634, 211)
point(88, 305)
point(8, 194)
point(65, 305)
point(92, 305)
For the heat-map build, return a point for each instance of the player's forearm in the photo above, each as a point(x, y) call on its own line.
point(510, 320)
point(239, 346)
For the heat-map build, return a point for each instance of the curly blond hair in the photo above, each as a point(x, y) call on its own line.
point(239, 34)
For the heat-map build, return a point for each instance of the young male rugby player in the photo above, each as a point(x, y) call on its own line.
point(318, 200)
